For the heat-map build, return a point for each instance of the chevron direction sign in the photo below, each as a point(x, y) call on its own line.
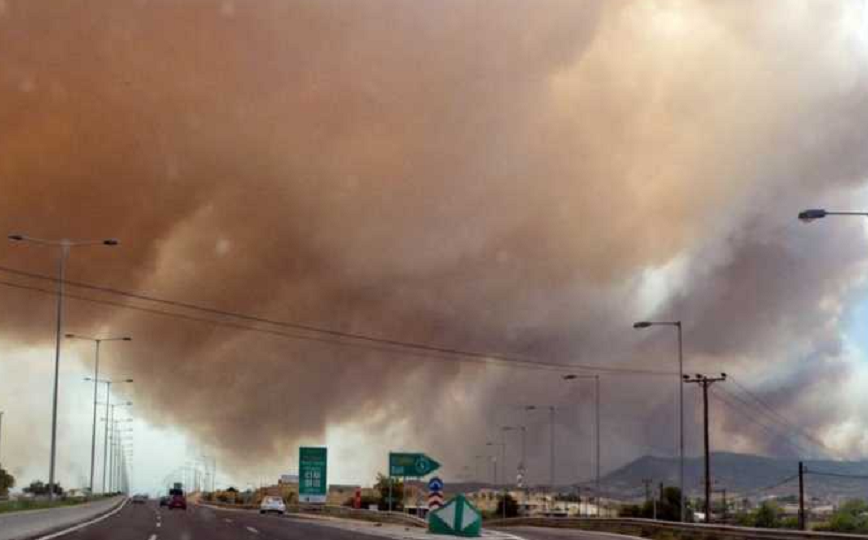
point(435, 493)
point(458, 518)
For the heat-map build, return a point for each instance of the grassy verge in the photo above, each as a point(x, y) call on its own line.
point(19, 505)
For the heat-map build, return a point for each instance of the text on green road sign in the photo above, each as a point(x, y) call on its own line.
point(312, 474)
point(411, 464)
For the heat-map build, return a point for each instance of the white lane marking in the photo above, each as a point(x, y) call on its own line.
point(251, 529)
point(153, 537)
point(158, 524)
point(227, 520)
point(85, 524)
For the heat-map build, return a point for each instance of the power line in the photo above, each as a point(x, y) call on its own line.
point(782, 430)
point(387, 345)
point(838, 475)
point(792, 425)
point(753, 419)
point(778, 484)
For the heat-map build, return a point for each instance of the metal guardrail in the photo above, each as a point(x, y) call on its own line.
point(345, 512)
point(650, 528)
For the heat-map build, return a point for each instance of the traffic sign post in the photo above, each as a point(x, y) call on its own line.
point(435, 494)
point(458, 518)
point(413, 465)
point(409, 465)
point(312, 475)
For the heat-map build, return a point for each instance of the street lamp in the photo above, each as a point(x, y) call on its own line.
point(476, 459)
point(523, 429)
point(97, 341)
point(596, 379)
point(118, 439)
point(818, 213)
point(502, 446)
point(65, 245)
point(109, 416)
point(677, 325)
point(551, 409)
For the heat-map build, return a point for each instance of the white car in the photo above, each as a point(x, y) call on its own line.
point(272, 504)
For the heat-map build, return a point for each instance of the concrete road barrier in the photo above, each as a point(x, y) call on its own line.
point(32, 524)
point(345, 512)
point(649, 528)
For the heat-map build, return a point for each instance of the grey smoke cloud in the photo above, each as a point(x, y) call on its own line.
point(473, 174)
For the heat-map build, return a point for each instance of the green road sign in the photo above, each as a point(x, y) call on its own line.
point(457, 518)
point(412, 465)
point(312, 467)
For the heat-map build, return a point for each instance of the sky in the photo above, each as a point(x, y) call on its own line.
point(468, 176)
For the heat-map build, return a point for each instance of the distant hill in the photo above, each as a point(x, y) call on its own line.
point(742, 474)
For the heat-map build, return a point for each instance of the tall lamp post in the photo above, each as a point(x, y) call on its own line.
point(677, 325)
point(596, 379)
point(109, 415)
point(552, 410)
point(502, 446)
point(97, 342)
point(476, 459)
point(523, 430)
point(65, 245)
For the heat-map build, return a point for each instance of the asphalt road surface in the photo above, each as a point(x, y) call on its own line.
point(149, 522)
point(542, 533)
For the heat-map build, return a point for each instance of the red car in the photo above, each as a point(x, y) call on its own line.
point(177, 500)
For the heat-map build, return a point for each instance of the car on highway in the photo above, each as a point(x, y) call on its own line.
point(271, 504)
point(164, 500)
point(138, 498)
point(177, 499)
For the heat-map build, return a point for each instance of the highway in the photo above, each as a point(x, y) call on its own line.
point(149, 522)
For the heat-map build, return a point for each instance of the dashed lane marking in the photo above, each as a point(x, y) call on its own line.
point(153, 537)
point(227, 520)
point(251, 529)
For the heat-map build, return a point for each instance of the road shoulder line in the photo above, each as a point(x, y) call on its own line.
point(85, 524)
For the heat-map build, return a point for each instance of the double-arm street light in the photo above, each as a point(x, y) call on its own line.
point(476, 459)
point(65, 245)
point(97, 342)
point(502, 446)
point(109, 417)
point(552, 410)
point(677, 325)
point(521, 464)
point(596, 379)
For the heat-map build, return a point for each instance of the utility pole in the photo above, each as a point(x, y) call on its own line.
point(552, 448)
point(705, 382)
point(1, 433)
point(802, 520)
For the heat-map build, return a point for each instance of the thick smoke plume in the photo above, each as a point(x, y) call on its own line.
point(518, 177)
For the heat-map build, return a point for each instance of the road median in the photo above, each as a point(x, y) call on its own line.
point(35, 524)
point(339, 512)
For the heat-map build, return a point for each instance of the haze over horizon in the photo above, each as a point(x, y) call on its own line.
point(468, 175)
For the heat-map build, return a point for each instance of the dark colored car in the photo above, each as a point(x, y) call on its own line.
point(164, 500)
point(177, 499)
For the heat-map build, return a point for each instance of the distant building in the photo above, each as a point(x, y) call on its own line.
point(288, 479)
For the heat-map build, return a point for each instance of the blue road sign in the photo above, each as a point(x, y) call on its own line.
point(435, 484)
